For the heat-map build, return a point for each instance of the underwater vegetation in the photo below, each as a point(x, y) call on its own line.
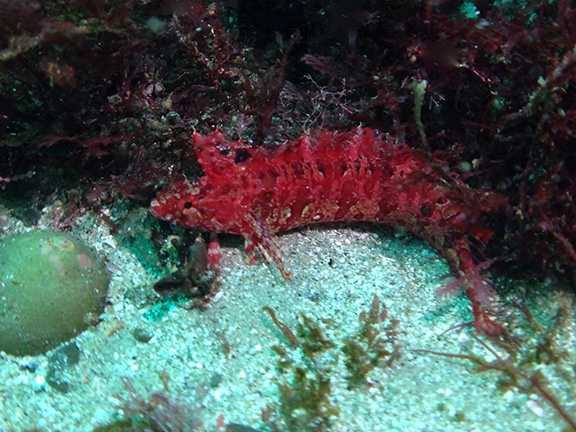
point(531, 359)
point(310, 361)
point(101, 100)
point(310, 365)
point(106, 94)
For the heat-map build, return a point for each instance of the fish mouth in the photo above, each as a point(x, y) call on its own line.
point(165, 208)
point(156, 209)
point(154, 203)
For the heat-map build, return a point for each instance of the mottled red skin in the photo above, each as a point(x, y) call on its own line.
point(358, 176)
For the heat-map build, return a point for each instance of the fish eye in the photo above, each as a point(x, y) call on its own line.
point(187, 205)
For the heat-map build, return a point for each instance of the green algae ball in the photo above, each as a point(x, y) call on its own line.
point(52, 287)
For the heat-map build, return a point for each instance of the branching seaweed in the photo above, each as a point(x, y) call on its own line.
point(160, 413)
point(375, 341)
point(519, 365)
point(305, 403)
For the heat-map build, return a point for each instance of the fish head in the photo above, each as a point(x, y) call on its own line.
point(179, 204)
point(194, 204)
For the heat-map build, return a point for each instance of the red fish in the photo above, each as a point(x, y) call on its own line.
point(358, 176)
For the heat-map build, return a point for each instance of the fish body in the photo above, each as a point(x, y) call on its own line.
point(362, 175)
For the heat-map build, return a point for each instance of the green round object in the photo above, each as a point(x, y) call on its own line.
point(52, 287)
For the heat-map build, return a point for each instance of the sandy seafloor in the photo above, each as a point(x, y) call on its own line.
point(337, 270)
